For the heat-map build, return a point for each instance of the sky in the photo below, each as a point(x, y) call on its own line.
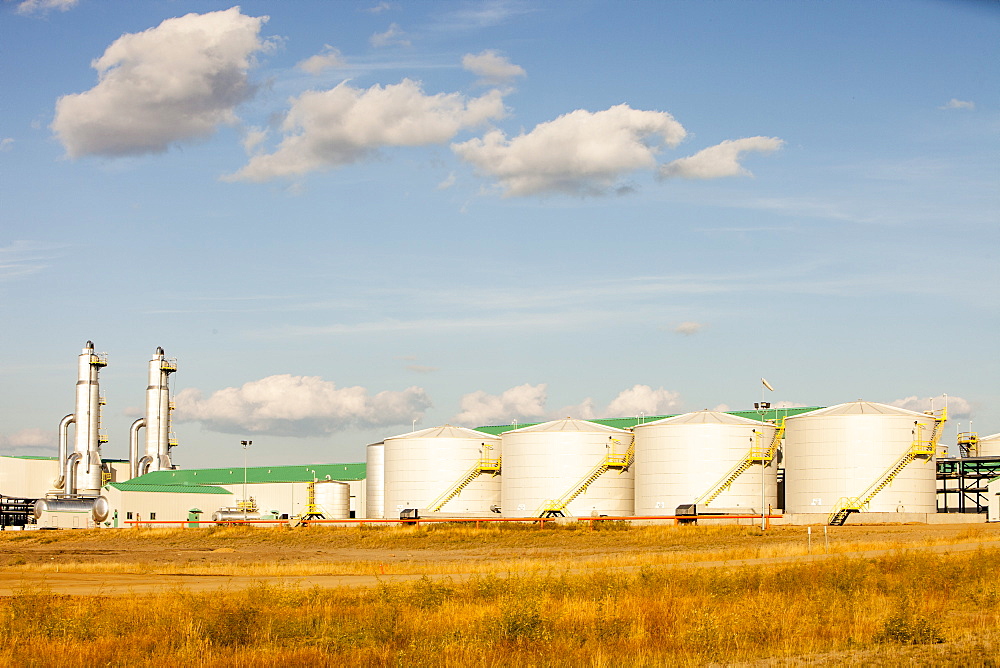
point(347, 220)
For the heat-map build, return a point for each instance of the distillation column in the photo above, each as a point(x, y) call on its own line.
point(157, 420)
point(80, 471)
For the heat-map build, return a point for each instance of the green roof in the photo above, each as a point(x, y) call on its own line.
point(254, 474)
point(130, 486)
point(629, 422)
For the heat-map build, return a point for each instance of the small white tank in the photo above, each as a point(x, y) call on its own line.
point(838, 452)
point(333, 499)
point(682, 458)
point(547, 461)
point(989, 446)
point(375, 482)
point(423, 465)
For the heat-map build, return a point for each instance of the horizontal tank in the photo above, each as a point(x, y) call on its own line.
point(427, 466)
point(840, 452)
point(548, 463)
point(97, 507)
point(234, 515)
point(333, 499)
point(375, 481)
point(686, 459)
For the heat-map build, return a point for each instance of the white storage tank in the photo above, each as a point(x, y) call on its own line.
point(333, 499)
point(549, 461)
point(839, 452)
point(422, 466)
point(989, 446)
point(683, 459)
point(375, 481)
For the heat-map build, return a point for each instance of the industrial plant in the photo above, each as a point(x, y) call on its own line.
point(857, 462)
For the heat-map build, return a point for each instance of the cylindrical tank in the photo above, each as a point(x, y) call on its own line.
point(333, 499)
point(96, 507)
point(989, 446)
point(375, 481)
point(232, 514)
point(424, 466)
point(685, 459)
point(548, 462)
point(839, 452)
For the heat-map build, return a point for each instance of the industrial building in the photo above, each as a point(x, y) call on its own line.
point(858, 461)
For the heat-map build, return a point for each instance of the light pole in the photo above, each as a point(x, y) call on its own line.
point(246, 446)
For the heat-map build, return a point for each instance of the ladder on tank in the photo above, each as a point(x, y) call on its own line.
point(612, 460)
point(756, 455)
point(486, 464)
point(919, 448)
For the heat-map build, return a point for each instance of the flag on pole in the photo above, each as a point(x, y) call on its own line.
point(767, 384)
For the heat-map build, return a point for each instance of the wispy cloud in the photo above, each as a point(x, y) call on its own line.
point(23, 258)
point(959, 104)
point(28, 7)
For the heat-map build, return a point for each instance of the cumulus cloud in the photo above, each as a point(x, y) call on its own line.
point(394, 36)
point(45, 6)
point(327, 59)
point(720, 160)
point(287, 405)
point(688, 328)
point(448, 182)
point(959, 104)
point(645, 400)
point(29, 439)
point(491, 67)
point(580, 153)
point(522, 403)
point(173, 83)
point(957, 406)
point(343, 125)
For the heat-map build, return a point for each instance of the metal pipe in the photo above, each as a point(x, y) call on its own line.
point(63, 448)
point(133, 446)
point(144, 465)
point(70, 472)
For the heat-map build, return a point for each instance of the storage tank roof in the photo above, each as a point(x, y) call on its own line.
point(991, 437)
point(446, 431)
point(704, 417)
point(860, 408)
point(569, 424)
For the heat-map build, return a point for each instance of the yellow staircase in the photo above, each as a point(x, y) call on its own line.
point(968, 443)
point(486, 464)
point(613, 460)
point(756, 455)
point(919, 448)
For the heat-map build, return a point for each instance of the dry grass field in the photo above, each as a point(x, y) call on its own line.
point(446, 595)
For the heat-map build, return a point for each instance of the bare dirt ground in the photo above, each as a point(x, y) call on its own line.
point(137, 561)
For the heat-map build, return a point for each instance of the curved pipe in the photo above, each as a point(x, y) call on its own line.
point(70, 473)
point(144, 464)
point(63, 447)
point(133, 446)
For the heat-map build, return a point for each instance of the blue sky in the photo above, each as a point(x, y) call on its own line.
point(348, 218)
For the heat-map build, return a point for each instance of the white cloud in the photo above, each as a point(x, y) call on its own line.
point(645, 400)
point(448, 182)
point(720, 160)
point(173, 83)
point(689, 328)
point(959, 104)
point(522, 403)
point(491, 67)
point(394, 36)
point(287, 405)
point(6, 143)
point(327, 59)
point(580, 153)
point(252, 138)
point(957, 406)
point(379, 8)
point(44, 6)
point(420, 368)
point(325, 129)
point(29, 439)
